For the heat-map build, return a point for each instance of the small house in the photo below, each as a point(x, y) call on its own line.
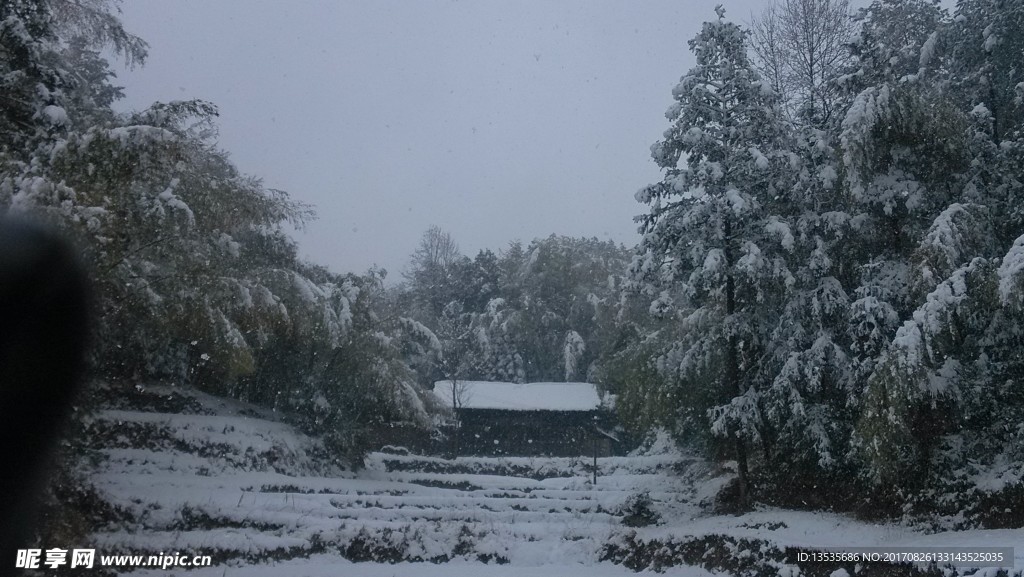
point(527, 419)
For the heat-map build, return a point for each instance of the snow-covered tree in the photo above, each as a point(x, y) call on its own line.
point(496, 332)
point(540, 293)
point(919, 381)
point(882, 322)
point(195, 276)
point(982, 47)
point(460, 355)
point(897, 40)
point(984, 44)
point(807, 370)
point(572, 353)
point(931, 163)
point(431, 273)
point(362, 384)
point(713, 232)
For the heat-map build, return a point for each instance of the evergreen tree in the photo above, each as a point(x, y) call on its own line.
point(713, 232)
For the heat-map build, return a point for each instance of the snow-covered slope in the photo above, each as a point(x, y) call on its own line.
point(227, 480)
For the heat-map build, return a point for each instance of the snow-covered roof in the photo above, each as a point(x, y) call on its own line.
point(520, 396)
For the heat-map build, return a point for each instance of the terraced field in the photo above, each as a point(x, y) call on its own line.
point(222, 479)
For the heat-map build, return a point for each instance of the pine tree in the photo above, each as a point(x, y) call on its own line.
point(983, 46)
point(712, 234)
point(930, 148)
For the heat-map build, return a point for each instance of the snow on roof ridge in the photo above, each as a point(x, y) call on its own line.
point(551, 396)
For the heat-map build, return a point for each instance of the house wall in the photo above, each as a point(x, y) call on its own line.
point(492, 432)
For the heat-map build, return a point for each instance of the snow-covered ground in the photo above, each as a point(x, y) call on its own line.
point(332, 566)
point(263, 499)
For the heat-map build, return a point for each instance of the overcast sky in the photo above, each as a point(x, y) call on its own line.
point(493, 120)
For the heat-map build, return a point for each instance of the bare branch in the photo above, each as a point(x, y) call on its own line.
point(800, 47)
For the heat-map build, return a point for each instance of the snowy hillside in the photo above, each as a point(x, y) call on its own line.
point(224, 479)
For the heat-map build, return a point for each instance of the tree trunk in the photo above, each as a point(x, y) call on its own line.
point(994, 109)
point(456, 410)
point(732, 369)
